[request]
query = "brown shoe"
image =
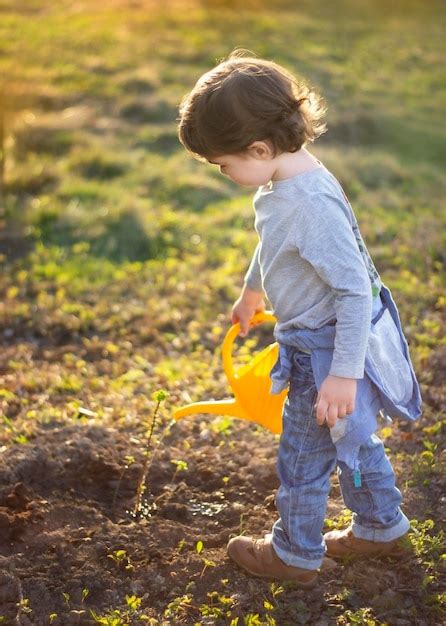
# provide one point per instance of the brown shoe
(257, 557)
(342, 543)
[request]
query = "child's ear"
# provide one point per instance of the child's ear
(261, 150)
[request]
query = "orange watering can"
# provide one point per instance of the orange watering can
(250, 383)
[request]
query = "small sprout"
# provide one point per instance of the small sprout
(85, 594)
(199, 547)
(276, 589)
(66, 597)
(181, 466)
(133, 602)
(23, 605)
(159, 395)
(121, 559)
(181, 544)
(207, 563)
(52, 617)
(20, 439)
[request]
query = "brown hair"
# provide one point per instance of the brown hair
(245, 99)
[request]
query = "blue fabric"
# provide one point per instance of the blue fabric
(307, 456)
(389, 384)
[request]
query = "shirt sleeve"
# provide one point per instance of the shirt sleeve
(324, 238)
(253, 277)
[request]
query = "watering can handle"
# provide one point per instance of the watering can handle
(231, 335)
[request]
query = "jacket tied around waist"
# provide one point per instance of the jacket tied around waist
(389, 386)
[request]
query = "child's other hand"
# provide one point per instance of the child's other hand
(245, 307)
(335, 400)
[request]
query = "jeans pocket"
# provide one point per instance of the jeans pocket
(302, 376)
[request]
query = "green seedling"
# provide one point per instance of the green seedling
(219, 607)
(181, 466)
(24, 607)
(158, 396)
(133, 602)
(116, 617)
(121, 559)
(179, 607)
(342, 520)
(181, 545)
(207, 563)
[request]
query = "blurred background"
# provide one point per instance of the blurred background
(115, 242)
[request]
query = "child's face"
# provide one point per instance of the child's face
(245, 169)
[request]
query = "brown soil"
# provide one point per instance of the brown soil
(58, 528)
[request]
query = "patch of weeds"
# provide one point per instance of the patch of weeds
(69, 383)
(223, 426)
(219, 606)
(179, 608)
(341, 521)
(363, 616)
(429, 549)
(254, 619)
(124, 617)
(424, 464)
(427, 546)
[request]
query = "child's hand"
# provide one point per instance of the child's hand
(335, 400)
(245, 307)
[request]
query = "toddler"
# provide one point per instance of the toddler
(342, 351)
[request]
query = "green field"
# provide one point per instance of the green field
(121, 257)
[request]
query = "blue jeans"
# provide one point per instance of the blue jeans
(306, 459)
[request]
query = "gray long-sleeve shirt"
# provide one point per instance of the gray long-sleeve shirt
(313, 265)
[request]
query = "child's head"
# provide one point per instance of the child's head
(245, 104)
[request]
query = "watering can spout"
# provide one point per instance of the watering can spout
(220, 407)
(250, 383)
